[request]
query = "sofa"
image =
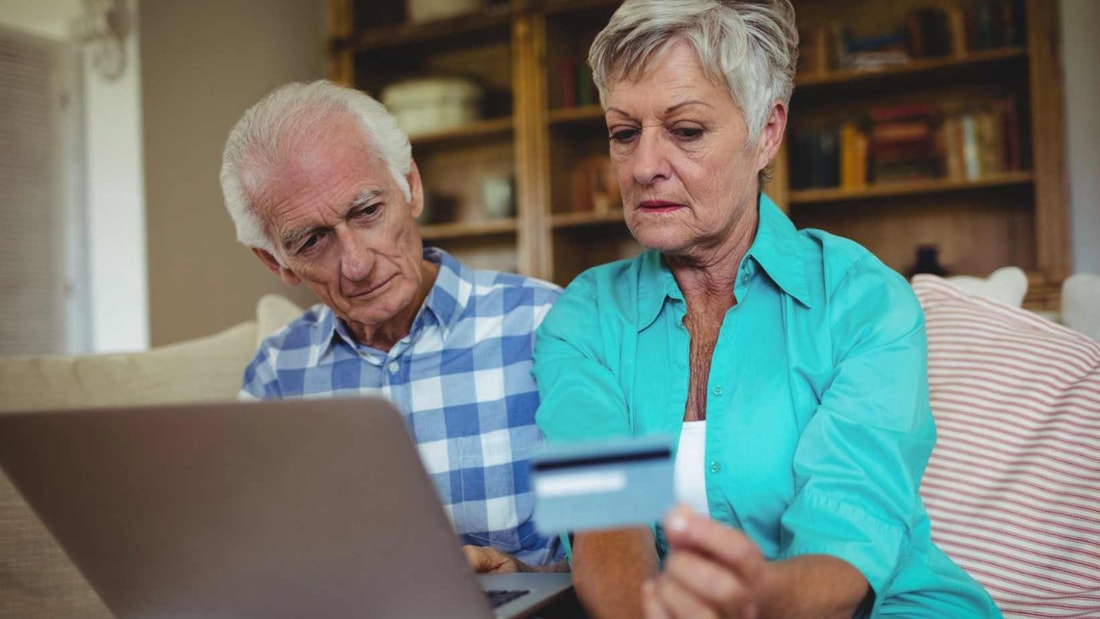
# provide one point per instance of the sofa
(37, 581)
(1013, 486)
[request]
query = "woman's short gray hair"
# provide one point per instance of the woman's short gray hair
(750, 46)
(266, 135)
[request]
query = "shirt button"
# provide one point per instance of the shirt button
(393, 367)
(717, 390)
(715, 466)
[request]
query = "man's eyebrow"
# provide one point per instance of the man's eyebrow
(367, 196)
(292, 238)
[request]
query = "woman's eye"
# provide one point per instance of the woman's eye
(687, 133)
(622, 136)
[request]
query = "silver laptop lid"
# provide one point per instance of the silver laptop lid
(317, 508)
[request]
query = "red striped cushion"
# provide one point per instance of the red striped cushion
(1013, 486)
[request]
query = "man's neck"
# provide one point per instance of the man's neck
(392, 331)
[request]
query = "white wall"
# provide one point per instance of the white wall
(1081, 56)
(117, 260)
(110, 238)
(45, 18)
(203, 63)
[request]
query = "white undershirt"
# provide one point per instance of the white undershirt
(690, 471)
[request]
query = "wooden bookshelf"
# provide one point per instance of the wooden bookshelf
(401, 35)
(468, 229)
(494, 128)
(906, 188)
(565, 115)
(519, 46)
(974, 61)
(582, 219)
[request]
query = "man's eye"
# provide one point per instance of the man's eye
(310, 243)
(367, 211)
(623, 136)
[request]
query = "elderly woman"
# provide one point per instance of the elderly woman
(789, 365)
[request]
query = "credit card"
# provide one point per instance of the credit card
(602, 485)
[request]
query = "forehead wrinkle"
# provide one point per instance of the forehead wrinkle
(291, 238)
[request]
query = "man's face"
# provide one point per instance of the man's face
(340, 222)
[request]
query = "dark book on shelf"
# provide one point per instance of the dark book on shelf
(815, 159)
(929, 33)
(567, 80)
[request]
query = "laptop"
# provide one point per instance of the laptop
(306, 508)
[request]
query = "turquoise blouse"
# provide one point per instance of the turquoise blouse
(818, 421)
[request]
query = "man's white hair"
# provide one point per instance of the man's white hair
(750, 46)
(264, 139)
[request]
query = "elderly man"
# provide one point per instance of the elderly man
(321, 185)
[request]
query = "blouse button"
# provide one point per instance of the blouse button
(393, 367)
(717, 390)
(715, 466)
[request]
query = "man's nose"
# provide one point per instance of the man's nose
(356, 256)
(650, 161)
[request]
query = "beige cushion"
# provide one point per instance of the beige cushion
(204, 369)
(1012, 485)
(274, 312)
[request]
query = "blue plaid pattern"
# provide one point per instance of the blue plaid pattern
(462, 379)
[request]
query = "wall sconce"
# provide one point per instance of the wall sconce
(102, 27)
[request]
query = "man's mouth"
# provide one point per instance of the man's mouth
(371, 289)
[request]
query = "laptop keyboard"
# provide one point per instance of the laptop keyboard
(500, 597)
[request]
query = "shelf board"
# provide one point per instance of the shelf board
(551, 7)
(468, 229)
(489, 128)
(405, 34)
(583, 113)
(586, 218)
(809, 197)
(923, 65)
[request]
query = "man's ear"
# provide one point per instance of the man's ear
(416, 191)
(289, 277)
(771, 136)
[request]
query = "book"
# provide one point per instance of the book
(813, 52)
(853, 156)
(929, 34)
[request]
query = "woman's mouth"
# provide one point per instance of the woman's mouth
(659, 206)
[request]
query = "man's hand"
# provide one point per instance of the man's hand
(487, 560)
(712, 571)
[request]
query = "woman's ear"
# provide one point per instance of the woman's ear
(771, 135)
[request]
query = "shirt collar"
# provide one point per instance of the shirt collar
(445, 302)
(776, 249)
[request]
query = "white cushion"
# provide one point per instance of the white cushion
(1013, 485)
(1007, 285)
(1081, 304)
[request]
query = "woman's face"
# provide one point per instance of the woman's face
(681, 152)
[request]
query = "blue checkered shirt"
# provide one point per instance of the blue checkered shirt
(462, 379)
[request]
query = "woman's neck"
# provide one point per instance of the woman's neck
(709, 274)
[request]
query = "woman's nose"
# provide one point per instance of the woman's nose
(649, 160)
